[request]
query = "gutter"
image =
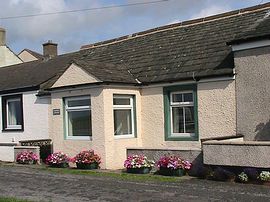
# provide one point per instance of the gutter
(19, 90)
(192, 80)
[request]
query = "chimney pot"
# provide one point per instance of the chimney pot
(2, 37)
(49, 49)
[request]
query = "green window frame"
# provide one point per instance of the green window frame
(169, 104)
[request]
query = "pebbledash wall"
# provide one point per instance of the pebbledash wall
(35, 115)
(216, 114)
(253, 93)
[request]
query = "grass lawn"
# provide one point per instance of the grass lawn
(11, 199)
(118, 175)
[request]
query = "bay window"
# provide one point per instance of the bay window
(78, 118)
(123, 113)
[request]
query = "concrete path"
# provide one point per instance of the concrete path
(38, 185)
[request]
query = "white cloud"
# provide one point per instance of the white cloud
(211, 10)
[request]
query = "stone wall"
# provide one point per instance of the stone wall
(246, 153)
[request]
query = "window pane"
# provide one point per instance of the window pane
(188, 97)
(121, 101)
(79, 123)
(189, 120)
(14, 113)
(177, 97)
(122, 122)
(177, 120)
(78, 103)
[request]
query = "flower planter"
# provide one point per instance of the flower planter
(88, 166)
(171, 172)
(59, 165)
(27, 162)
(143, 170)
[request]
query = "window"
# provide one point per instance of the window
(180, 113)
(78, 118)
(123, 112)
(12, 111)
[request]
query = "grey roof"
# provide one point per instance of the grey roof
(259, 30)
(187, 50)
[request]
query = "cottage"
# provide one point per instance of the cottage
(158, 91)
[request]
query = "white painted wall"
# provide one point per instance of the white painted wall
(35, 113)
(7, 153)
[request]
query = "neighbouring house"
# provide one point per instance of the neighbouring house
(7, 57)
(27, 55)
(179, 88)
(24, 114)
(49, 51)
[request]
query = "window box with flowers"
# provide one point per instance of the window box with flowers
(173, 166)
(26, 157)
(58, 160)
(138, 164)
(87, 160)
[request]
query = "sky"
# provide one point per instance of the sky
(72, 30)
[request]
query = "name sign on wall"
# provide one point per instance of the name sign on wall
(56, 111)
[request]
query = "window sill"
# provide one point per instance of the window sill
(124, 137)
(83, 138)
(183, 138)
(12, 130)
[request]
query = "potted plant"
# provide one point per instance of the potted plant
(243, 177)
(26, 157)
(138, 164)
(58, 160)
(264, 177)
(87, 160)
(173, 166)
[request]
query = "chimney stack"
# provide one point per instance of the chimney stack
(49, 49)
(2, 37)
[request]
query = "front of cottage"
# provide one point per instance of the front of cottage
(159, 91)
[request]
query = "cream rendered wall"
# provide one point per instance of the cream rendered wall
(216, 115)
(26, 56)
(7, 57)
(72, 147)
(216, 109)
(116, 147)
(35, 112)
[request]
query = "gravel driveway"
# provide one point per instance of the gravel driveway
(39, 185)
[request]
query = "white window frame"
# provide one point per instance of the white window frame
(131, 107)
(180, 104)
(79, 108)
(17, 127)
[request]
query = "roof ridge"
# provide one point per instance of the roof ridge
(180, 24)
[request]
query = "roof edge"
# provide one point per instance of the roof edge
(19, 90)
(249, 39)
